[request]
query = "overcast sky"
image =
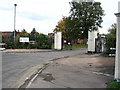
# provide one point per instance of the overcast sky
(44, 14)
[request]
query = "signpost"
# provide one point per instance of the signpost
(117, 62)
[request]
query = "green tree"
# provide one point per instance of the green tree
(8, 40)
(33, 35)
(84, 17)
(87, 16)
(19, 44)
(43, 41)
(111, 38)
(24, 33)
(112, 29)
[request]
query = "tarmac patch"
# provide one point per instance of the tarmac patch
(47, 77)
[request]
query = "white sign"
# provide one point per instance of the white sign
(24, 39)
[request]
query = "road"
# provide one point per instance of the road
(15, 65)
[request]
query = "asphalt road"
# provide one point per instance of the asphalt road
(15, 65)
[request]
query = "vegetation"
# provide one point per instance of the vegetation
(84, 17)
(43, 41)
(76, 46)
(113, 85)
(37, 40)
(111, 38)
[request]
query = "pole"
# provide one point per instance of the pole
(117, 60)
(14, 20)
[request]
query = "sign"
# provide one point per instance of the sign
(24, 39)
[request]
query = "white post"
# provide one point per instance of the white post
(92, 35)
(117, 62)
(58, 41)
(0, 62)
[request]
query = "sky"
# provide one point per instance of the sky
(43, 15)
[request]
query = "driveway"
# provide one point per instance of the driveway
(80, 71)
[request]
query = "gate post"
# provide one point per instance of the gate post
(117, 59)
(92, 35)
(58, 40)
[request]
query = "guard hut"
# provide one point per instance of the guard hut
(58, 41)
(92, 35)
(117, 62)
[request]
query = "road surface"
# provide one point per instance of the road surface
(15, 65)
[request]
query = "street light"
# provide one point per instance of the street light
(14, 20)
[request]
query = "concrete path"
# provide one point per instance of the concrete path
(80, 71)
(25, 50)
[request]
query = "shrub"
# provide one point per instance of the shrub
(110, 42)
(113, 85)
(44, 42)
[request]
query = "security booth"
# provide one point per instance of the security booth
(117, 60)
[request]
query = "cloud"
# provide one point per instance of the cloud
(5, 9)
(34, 16)
(44, 14)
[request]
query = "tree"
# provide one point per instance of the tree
(111, 38)
(8, 40)
(33, 35)
(84, 17)
(87, 16)
(43, 41)
(112, 29)
(18, 44)
(24, 33)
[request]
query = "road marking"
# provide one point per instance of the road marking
(31, 81)
(27, 76)
(100, 73)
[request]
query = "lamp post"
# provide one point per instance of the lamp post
(14, 20)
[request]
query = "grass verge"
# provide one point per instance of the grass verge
(113, 85)
(76, 46)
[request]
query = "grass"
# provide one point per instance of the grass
(113, 85)
(76, 46)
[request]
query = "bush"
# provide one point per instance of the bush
(114, 85)
(44, 42)
(110, 42)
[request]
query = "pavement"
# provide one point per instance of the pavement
(78, 71)
(25, 50)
